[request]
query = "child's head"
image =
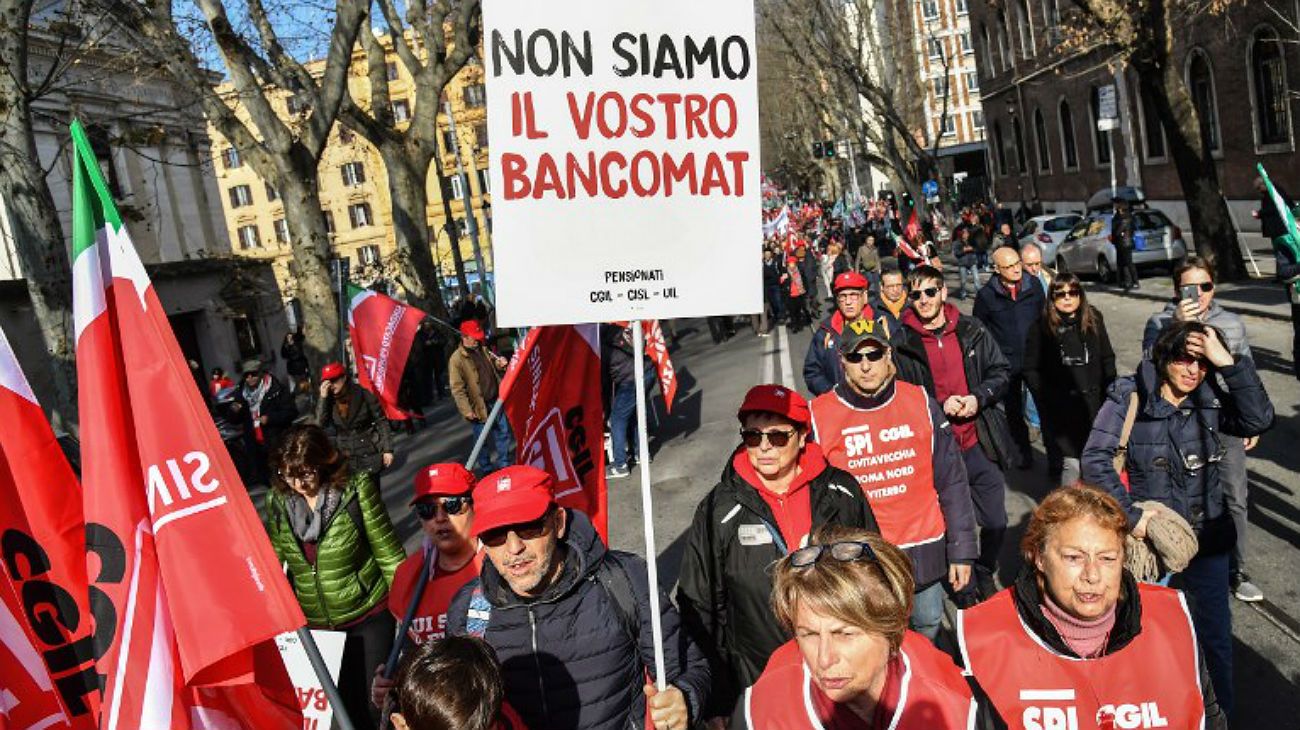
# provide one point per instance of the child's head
(448, 684)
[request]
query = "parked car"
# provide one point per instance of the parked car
(1087, 248)
(1048, 231)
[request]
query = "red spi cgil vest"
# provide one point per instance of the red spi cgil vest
(932, 694)
(890, 451)
(1153, 682)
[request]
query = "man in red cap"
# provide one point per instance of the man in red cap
(445, 508)
(569, 618)
(353, 416)
(821, 366)
(776, 489)
(475, 375)
(897, 443)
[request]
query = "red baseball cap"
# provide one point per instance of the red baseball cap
(775, 399)
(512, 496)
(332, 370)
(470, 328)
(442, 480)
(849, 280)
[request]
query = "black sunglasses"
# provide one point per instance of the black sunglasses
(497, 537)
(930, 292)
(427, 508)
(1071, 292)
(853, 358)
(753, 438)
(844, 552)
(1205, 286)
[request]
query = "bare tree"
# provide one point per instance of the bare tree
(284, 151)
(1142, 34)
(866, 48)
(420, 43)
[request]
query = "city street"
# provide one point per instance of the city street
(690, 446)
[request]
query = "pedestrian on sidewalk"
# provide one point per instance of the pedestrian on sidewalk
(1069, 364)
(475, 379)
(1009, 305)
(353, 416)
(1173, 455)
(964, 370)
(1273, 227)
(1123, 227)
(1194, 287)
(773, 276)
(876, 427)
(963, 249)
(620, 370)
(569, 618)
(776, 488)
(1076, 621)
(846, 599)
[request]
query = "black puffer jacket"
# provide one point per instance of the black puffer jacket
(725, 587)
(363, 434)
(1128, 624)
(987, 375)
(1068, 370)
(567, 661)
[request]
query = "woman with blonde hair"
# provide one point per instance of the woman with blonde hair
(1077, 637)
(853, 663)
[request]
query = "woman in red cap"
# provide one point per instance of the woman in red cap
(776, 489)
(445, 508)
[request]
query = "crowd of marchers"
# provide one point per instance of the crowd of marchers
(816, 574)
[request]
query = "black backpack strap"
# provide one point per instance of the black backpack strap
(613, 578)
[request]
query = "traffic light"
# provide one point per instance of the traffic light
(819, 150)
(829, 148)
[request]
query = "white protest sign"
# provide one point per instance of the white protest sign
(316, 710)
(625, 173)
(1107, 108)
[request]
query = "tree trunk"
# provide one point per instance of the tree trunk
(34, 222)
(444, 194)
(1212, 226)
(407, 186)
(311, 256)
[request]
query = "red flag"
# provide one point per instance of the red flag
(47, 663)
(187, 592)
(551, 394)
(656, 348)
(912, 229)
(382, 330)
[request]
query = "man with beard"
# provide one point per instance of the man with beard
(569, 618)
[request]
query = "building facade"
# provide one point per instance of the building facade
(945, 59)
(354, 189)
(153, 148)
(1042, 108)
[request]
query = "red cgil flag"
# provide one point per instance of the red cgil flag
(47, 662)
(186, 591)
(382, 330)
(656, 348)
(551, 394)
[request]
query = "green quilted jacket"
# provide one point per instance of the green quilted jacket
(353, 571)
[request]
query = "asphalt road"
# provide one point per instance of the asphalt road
(690, 446)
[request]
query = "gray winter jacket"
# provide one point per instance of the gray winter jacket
(1231, 325)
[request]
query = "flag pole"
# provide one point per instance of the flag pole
(483, 435)
(326, 681)
(390, 666)
(647, 502)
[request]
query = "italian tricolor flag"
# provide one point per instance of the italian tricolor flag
(177, 557)
(382, 330)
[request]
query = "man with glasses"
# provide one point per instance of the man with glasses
(1008, 306)
(569, 618)
(963, 369)
(445, 509)
(776, 489)
(1031, 259)
(1194, 302)
(821, 366)
(896, 441)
